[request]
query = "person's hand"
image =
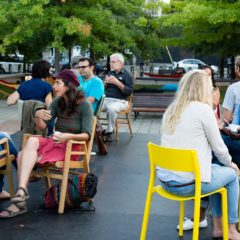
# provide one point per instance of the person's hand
(235, 167)
(43, 114)
(225, 131)
(61, 137)
(111, 79)
(234, 136)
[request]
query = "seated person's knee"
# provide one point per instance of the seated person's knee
(32, 142)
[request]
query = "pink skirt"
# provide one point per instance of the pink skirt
(50, 151)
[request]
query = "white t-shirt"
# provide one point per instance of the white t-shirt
(232, 97)
(197, 129)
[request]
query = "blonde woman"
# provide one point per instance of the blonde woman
(190, 123)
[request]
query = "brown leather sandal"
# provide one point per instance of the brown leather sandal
(22, 208)
(20, 198)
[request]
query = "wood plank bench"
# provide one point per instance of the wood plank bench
(151, 102)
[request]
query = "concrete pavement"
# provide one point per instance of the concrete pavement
(145, 123)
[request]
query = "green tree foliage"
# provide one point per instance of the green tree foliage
(103, 26)
(203, 25)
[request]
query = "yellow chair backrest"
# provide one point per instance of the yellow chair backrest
(174, 160)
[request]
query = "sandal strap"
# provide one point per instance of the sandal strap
(20, 205)
(24, 190)
(10, 212)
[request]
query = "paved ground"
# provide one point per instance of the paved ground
(123, 178)
(145, 122)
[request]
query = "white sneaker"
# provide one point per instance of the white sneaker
(188, 224)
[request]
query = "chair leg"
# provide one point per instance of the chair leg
(10, 178)
(116, 130)
(47, 180)
(146, 215)
(196, 219)
(63, 194)
(129, 123)
(225, 214)
(181, 217)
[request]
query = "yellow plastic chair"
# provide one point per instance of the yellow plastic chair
(186, 161)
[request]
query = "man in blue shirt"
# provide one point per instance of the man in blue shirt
(90, 84)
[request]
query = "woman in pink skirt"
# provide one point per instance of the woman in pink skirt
(73, 115)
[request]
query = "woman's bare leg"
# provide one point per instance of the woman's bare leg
(19, 163)
(26, 161)
(217, 229)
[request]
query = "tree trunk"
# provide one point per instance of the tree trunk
(69, 55)
(57, 59)
(222, 67)
(92, 55)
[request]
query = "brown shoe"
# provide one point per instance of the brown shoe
(109, 137)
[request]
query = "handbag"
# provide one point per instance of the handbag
(102, 147)
(81, 188)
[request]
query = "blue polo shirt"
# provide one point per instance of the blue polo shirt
(92, 88)
(34, 89)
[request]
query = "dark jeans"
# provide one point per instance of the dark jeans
(233, 148)
(13, 150)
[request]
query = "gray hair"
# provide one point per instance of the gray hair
(237, 61)
(119, 56)
(75, 61)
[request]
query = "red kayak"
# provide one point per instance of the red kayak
(170, 75)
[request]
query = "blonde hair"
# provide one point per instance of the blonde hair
(195, 85)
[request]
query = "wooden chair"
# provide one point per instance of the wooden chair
(185, 161)
(99, 107)
(122, 118)
(61, 170)
(6, 160)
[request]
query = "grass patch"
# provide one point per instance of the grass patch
(4, 92)
(223, 90)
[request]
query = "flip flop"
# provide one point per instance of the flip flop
(22, 209)
(20, 198)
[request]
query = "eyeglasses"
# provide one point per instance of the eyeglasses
(114, 62)
(83, 67)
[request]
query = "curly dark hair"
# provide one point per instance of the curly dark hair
(74, 97)
(41, 69)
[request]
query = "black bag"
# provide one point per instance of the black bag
(102, 147)
(81, 188)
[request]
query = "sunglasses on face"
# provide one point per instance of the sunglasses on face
(82, 67)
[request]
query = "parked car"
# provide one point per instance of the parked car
(189, 64)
